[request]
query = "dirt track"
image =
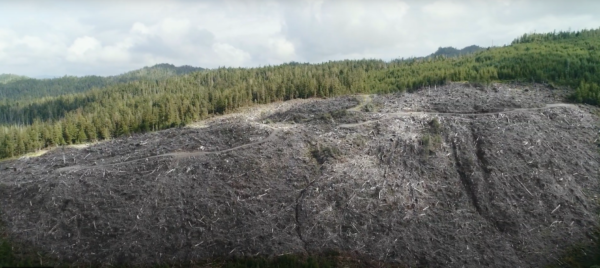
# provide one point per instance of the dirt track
(175, 155)
(507, 177)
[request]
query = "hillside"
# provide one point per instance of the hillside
(557, 59)
(156, 72)
(399, 163)
(7, 78)
(504, 175)
(29, 89)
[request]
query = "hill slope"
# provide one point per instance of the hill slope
(451, 176)
(27, 89)
(156, 72)
(7, 78)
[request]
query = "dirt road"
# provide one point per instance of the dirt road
(175, 155)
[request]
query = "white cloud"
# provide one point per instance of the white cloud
(229, 54)
(326, 30)
(83, 49)
(444, 10)
(5, 37)
(140, 28)
(117, 53)
(90, 37)
(284, 49)
(90, 51)
(174, 29)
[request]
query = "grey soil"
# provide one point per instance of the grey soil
(507, 177)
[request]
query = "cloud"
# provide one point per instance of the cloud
(321, 30)
(84, 49)
(284, 50)
(230, 54)
(444, 10)
(140, 28)
(89, 50)
(91, 37)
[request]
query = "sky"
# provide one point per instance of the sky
(109, 37)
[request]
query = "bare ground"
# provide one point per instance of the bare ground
(507, 177)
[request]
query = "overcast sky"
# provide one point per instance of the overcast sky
(56, 38)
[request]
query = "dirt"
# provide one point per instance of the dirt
(458, 176)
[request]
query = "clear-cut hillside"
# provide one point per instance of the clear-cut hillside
(453, 176)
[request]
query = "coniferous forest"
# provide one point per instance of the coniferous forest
(36, 114)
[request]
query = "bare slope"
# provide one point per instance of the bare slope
(452, 176)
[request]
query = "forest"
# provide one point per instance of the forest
(7, 78)
(37, 114)
(21, 88)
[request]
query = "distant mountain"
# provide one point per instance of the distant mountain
(453, 52)
(157, 72)
(444, 51)
(7, 78)
(25, 88)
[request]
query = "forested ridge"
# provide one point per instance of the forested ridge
(26, 90)
(565, 58)
(7, 78)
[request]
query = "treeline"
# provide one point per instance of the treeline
(26, 89)
(7, 78)
(156, 72)
(146, 105)
(553, 36)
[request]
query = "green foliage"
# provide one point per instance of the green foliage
(15, 255)
(323, 153)
(434, 126)
(328, 117)
(7, 78)
(432, 138)
(287, 261)
(369, 107)
(29, 89)
(24, 89)
(157, 72)
(337, 114)
(554, 36)
(582, 255)
(6, 256)
(429, 143)
(587, 92)
(359, 140)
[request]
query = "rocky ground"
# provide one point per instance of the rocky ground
(454, 176)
